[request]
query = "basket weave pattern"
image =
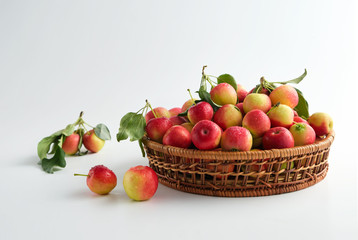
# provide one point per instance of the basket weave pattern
(240, 174)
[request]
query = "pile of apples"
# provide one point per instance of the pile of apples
(243, 122)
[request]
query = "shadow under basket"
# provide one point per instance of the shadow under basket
(240, 174)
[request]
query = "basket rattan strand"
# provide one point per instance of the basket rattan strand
(240, 174)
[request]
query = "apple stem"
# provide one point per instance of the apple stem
(83, 175)
(151, 108)
(274, 106)
(202, 71)
(191, 95)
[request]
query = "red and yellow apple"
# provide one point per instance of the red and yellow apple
(223, 93)
(70, 144)
(157, 127)
(284, 94)
(159, 112)
(227, 116)
(257, 101)
(321, 122)
(174, 111)
(277, 138)
(303, 134)
(241, 93)
(200, 111)
(257, 122)
(92, 142)
(281, 116)
(236, 138)
(177, 136)
(206, 135)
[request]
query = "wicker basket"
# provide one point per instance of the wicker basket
(240, 174)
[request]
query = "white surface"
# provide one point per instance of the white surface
(60, 57)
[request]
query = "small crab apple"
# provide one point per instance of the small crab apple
(223, 93)
(297, 119)
(157, 113)
(284, 94)
(303, 134)
(257, 101)
(70, 144)
(140, 183)
(257, 122)
(241, 93)
(157, 127)
(206, 135)
(227, 116)
(278, 137)
(177, 136)
(200, 111)
(236, 138)
(100, 179)
(281, 115)
(177, 120)
(174, 111)
(188, 104)
(241, 107)
(92, 142)
(188, 125)
(321, 122)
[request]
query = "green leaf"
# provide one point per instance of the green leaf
(227, 78)
(132, 125)
(302, 106)
(184, 114)
(296, 80)
(43, 147)
(58, 160)
(102, 132)
(205, 96)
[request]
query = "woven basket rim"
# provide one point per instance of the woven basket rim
(319, 145)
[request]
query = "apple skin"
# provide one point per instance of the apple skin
(157, 127)
(297, 119)
(223, 93)
(177, 136)
(159, 112)
(174, 111)
(101, 180)
(285, 94)
(189, 126)
(206, 135)
(187, 104)
(70, 144)
(241, 107)
(322, 123)
(257, 122)
(241, 93)
(303, 134)
(177, 120)
(227, 116)
(263, 90)
(257, 101)
(200, 111)
(278, 138)
(281, 116)
(140, 183)
(92, 142)
(236, 138)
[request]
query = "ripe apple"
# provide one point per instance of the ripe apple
(92, 142)
(285, 94)
(157, 127)
(241, 93)
(189, 126)
(70, 144)
(200, 111)
(321, 122)
(257, 101)
(236, 138)
(100, 179)
(241, 107)
(177, 120)
(187, 104)
(140, 183)
(257, 122)
(223, 93)
(297, 119)
(303, 134)
(281, 116)
(177, 136)
(159, 112)
(278, 137)
(206, 135)
(174, 111)
(227, 116)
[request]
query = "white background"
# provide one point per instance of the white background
(106, 57)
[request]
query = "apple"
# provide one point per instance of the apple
(236, 138)
(177, 136)
(100, 179)
(257, 101)
(284, 94)
(159, 112)
(297, 119)
(92, 142)
(227, 116)
(206, 135)
(278, 137)
(70, 144)
(241, 93)
(157, 127)
(174, 111)
(177, 120)
(140, 183)
(281, 116)
(257, 122)
(200, 111)
(187, 104)
(223, 93)
(303, 134)
(241, 107)
(321, 122)
(189, 126)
